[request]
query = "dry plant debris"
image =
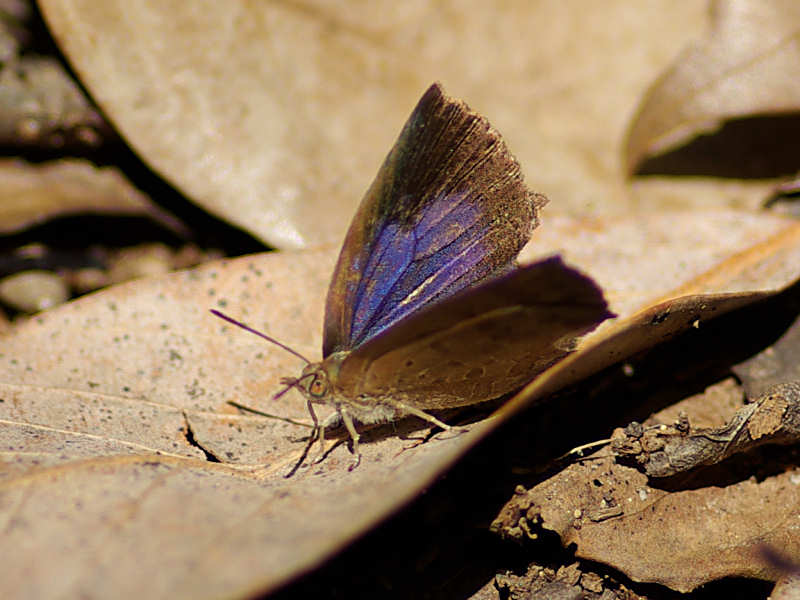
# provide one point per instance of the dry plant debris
(121, 455)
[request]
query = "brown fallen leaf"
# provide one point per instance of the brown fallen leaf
(667, 547)
(32, 194)
(598, 502)
(41, 106)
(681, 540)
(775, 365)
(713, 407)
(654, 298)
(749, 64)
(657, 193)
(91, 418)
(568, 583)
(788, 587)
(785, 197)
(731, 251)
(770, 379)
(276, 116)
(152, 341)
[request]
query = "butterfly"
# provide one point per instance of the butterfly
(427, 309)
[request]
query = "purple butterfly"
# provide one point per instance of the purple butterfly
(427, 309)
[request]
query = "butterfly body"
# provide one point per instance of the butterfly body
(318, 383)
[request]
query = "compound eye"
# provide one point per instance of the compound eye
(317, 388)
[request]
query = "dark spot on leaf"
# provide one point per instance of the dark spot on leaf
(659, 318)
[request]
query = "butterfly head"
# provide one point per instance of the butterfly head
(313, 383)
(317, 381)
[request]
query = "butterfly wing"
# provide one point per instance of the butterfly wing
(447, 209)
(481, 343)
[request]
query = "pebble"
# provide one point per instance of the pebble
(32, 291)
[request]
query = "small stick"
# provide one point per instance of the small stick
(580, 449)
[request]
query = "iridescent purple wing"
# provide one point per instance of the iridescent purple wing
(447, 210)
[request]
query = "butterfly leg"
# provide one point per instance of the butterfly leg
(317, 433)
(423, 415)
(354, 435)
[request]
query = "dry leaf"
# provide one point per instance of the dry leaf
(150, 360)
(685, 539)
(617, 516)
(658, 193)
(41, 105)
(102, 475)
(539, 583)
(696, 251)
(88, 419)
(274, 115)
(277, 116)
(681, 540)
(749, 64)
(771, 381)
(671, 294)
(712, 408)
(787, 589)
(785, 197)
(777, 364)
(32, 194)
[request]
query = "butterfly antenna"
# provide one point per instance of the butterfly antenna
(256, 411)
(290, 382)
(259, 334)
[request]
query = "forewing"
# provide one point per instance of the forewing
(481, 343)
(447, 209)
